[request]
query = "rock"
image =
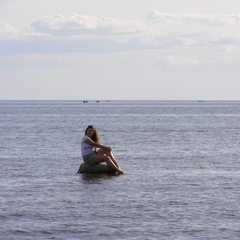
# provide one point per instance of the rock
(96, 169)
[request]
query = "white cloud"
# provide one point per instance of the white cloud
(74, 33)
(206, 59)
(8, 32)
(184, 63)
(75, 24)
(193, 18)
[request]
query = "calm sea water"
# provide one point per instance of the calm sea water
(182, 163)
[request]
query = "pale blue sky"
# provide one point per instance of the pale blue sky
(119, 49)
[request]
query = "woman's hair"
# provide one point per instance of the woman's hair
(95, 136)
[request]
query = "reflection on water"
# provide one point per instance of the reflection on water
(88, 178)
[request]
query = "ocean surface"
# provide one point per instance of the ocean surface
(182, 163)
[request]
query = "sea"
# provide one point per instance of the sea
(182, 163)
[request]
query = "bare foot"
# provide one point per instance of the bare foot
(121, 171)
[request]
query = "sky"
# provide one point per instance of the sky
(119, 50)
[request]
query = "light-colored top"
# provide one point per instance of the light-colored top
(86, 148)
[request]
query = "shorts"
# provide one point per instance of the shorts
(89, 158)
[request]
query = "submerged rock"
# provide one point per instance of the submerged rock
(97, 169)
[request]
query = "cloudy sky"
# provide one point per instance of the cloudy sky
(119, 49)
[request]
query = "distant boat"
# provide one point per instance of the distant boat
(85, 101)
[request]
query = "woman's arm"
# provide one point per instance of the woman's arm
(98, 145)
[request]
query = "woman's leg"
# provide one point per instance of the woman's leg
(109, 162)
(102, 152)
(110, 154)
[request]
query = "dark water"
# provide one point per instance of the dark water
(182, 161)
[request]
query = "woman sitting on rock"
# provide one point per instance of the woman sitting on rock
(89, 144)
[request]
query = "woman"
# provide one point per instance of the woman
(90, 154)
